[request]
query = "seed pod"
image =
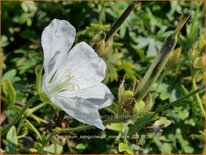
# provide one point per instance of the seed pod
(159, 61)
(156, 67)
(116, 26)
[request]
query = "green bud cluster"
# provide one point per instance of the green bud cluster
(129, 104)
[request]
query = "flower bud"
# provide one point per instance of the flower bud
(149, 102)
(142, 107)
(99, 44)
(121, 91)
(100, 47)
(139, 107)
(126, 97)
(193, 53)
(174, 55)
(128, 94)
(128, 101)
(198, 63)
(199, 77)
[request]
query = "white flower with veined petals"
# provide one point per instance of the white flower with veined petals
(72, 77)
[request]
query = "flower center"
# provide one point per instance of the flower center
(62, 81)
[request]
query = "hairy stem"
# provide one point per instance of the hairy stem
(67, 131)
(60, 131)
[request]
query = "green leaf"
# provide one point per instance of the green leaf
(12, 140)
(165, 148)
(185, 145)
(115, 126)
(141, 122)
(201, 136)
(9, 92)
(123, 30)
(53, 148)
(80, 146)
(178, 113)
(162, 121)
(153, 45)
(114, 109)
(198, 63)
(4, 41)
(129, 69)
(9, 75)
(139, 51)
(164, 96)
(125, 148)
(28, 6)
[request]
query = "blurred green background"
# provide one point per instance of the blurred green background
(131, 53)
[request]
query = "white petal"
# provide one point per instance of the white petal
(86, 67)
(57, 38)
(80, 109)
(98, 95)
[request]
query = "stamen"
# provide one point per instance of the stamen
(57, 86)
(52, 78)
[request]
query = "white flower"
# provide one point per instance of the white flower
(72, 78)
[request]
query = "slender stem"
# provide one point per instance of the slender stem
(61, 131)
(163, 107)
(36, 118)
(118, 23)
(18, 116)
(27, 113)
(32, 110)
